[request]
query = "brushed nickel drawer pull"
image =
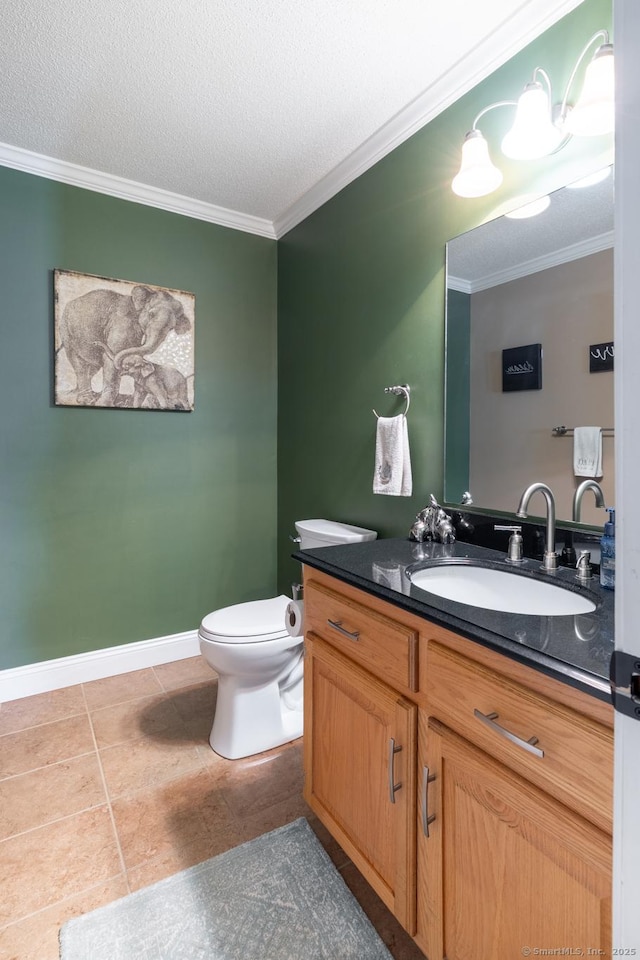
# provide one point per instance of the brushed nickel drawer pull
(490, 720)
(427, 820)
(337, 625)
(393, 786)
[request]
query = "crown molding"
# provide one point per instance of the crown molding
(88, 179)
(573, 252)
(519, 30)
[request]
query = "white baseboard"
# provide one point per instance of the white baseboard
(48, 675)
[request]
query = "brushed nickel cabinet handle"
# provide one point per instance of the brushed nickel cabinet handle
(490, 720)
(337, 625)
(427, 820)
(393, 786)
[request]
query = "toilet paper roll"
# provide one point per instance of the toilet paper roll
(293, 618)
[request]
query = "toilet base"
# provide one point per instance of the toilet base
(251, 720)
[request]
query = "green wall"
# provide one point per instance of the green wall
(361, 298)
(123, 525)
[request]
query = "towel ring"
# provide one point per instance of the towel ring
(402, 390)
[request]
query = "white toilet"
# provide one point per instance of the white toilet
(259, 665)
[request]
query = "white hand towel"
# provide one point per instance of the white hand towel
(587, 451)
(392, 474)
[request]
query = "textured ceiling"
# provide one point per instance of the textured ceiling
(245, 105)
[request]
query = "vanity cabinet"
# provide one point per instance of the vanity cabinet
(498, 836)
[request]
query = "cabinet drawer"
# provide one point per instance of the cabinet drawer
(568, 755)
(386, 648)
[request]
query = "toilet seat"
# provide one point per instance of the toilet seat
(253, 622)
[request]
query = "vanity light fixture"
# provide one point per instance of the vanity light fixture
(538, 128)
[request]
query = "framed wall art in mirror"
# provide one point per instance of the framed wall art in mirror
(546, 280)
(122, 344)
(601, 356)
(522, 368)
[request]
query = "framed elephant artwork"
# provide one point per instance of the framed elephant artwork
(122, 344)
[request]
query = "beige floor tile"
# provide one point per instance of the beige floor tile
(196, 707)
(196, 701)
(251, 786)
(134, 719)
(199, 731)
(174, 861)
(36, 937)
(33, 799)
(41, 708)
(125, 686)
(182, 673)
(59, 860)
(273, 817)
(48, 743)
(186, 812)
(139, 764)
(209, 757)
(175, 802)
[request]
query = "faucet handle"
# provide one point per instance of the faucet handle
(583, 566)
(515, 552)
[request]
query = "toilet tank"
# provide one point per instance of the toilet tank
(324, 533)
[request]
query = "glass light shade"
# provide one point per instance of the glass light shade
(532, 134)
(594, 113)
(477, 175)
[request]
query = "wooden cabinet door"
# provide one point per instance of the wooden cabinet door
(506, 871)
(360, 752)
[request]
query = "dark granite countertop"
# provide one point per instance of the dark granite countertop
(575, 649)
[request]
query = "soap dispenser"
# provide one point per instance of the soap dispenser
(608, 552)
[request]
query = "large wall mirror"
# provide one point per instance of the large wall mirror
(518, 283)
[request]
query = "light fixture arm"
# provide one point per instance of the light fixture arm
(542, 127)
(540, 71)
(600, 35)
(543, 73)
(492, 106)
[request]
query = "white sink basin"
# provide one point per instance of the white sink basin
(501, 590)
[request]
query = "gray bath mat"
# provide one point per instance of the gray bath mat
(278, 897)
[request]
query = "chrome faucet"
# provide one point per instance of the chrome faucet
(550, 561)
(578, 495)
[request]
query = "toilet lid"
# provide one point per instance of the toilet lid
(244, 622)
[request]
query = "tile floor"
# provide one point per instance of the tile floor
(109, 786)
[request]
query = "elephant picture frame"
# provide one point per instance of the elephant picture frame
(122, 344)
